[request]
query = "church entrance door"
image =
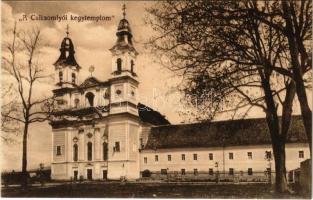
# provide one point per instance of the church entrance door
(75, 175)
(89, 174)
(105, 174)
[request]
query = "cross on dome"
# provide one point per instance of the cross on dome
(67, 30)
(124, 10)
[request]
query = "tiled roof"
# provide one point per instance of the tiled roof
(220, 133)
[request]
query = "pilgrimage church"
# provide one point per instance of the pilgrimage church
(102, 132)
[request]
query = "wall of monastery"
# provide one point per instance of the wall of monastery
(240, 161)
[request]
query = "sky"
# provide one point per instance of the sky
(92, 41)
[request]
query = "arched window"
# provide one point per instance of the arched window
(89, 151)
(61, 77)
(105, 150)
(119, 64)
(75, 152)
(76, 102)
(73, 78)
(90, 96)
(132, 64)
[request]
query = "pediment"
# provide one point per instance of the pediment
(91, 81)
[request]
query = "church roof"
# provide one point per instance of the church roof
(67, 52)
(220, 133)
(151, 116)
(124, 38)
(124, 26)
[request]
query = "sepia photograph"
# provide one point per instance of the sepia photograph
(207, 99)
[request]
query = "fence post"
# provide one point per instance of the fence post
(217, 177)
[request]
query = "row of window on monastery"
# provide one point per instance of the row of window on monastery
(231, 171)
(268, 155)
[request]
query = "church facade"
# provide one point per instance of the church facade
(96, 125)
(102, 131)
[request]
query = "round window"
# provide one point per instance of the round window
(118, 92)
(75, 139)
(89, 135)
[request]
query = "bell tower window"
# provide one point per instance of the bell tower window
(132, 64)
(76, 102)
(90, 97)
(119, 64)
(73, 78)
(61, 77)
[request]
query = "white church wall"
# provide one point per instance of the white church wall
(59, 142)
(97, 141)
(131, 93)
(133, 142)
(81, 145)
(59, 171)
(116, 170)
(117, 133)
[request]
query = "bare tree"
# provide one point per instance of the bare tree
(21, 67)
(9, 128)
(227, 54)
(293, 19)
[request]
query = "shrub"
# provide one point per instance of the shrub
(146, 173)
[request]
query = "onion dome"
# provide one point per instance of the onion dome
(67, 57)
(124, 26)
(124, 36)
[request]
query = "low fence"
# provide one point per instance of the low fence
(9, 178)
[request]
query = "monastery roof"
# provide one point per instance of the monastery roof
(220, 133)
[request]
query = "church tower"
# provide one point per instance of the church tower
(124, 83)
(123, 52)
(123, 122)
(66, 67)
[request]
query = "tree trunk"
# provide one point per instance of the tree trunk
(278, 142)
(24, 158)
(278, 145)
(305, 112)
(280, 169)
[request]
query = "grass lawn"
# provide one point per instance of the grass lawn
(148, 190)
